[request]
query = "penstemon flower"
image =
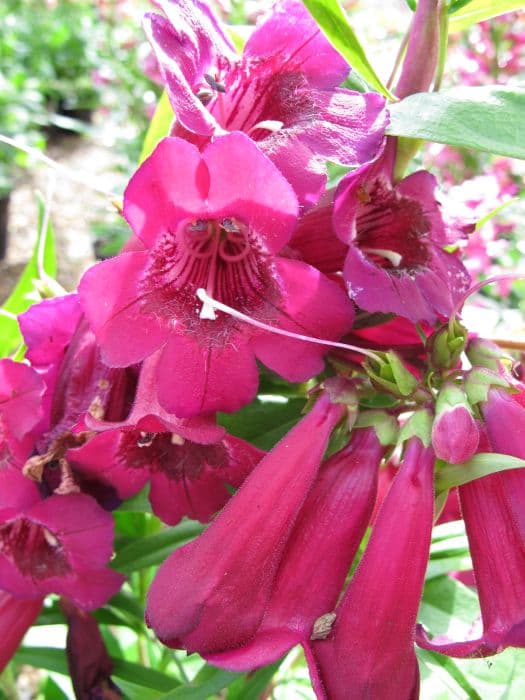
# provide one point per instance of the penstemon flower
(217, 220)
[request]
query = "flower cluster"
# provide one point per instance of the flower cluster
(243, 262)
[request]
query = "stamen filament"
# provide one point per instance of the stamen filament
(209, 301)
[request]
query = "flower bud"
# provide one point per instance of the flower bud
(446, 344)
(455, 434)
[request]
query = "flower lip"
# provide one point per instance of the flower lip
(33, 548)
(391, 229)
(222, 255)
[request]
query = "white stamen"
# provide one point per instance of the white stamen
(49, 537)
(177, 439)
(269, 124)
(208, 301)
(207, 312)
(389, 255)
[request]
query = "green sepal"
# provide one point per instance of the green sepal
(418, 425)
(446, 344)
(484, 353)
(385, 425)
(478, 383)
(390, 374)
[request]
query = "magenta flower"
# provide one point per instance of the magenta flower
(215, 220)
(455, 433)
(61, 544)
(318, 555)
(283, 91)
(21, 391)
(16, 617)
(207, 603)
(396, 235)
(88, 661)
(187, 478)
(493, 508)
(369, 652)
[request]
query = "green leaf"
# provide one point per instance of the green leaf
(252, 686)
(159, 126)
(334, 25)
(486, 118)
(25, 293)
(263, 422)
(482, 464)
(153, 549)
(52, 659)
(207, 682)
(463, 15)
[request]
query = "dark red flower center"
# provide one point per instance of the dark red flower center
(392, 230)
(35, 550)
(221, 256)
(170, 454)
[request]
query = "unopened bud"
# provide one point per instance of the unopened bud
(446, 344)
(455, 433)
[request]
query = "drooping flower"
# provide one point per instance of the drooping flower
(493, 509)
(60, 544)
(89, 663)
(217, 221)
(369, 652)
(317, 556)
(203, 602)
(283, 91)
(187, 478)
(16, 617)
(396, 234)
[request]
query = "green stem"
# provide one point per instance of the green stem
(443, 47)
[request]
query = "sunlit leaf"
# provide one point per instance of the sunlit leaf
(486, 118)
(334, 24)
(159, 126)
(464, 14)
(25, 293)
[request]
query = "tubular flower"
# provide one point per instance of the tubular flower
(369, 652)
(207, 603)
(16, 617)
(60, 544)
(396, 235)
(317, 556)
(217, 221)
(283, 91)
(187, 478)
(493, 508)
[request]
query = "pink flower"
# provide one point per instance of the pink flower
(16, 617)
(317, 557)
(215, 220)
(187, 478)
(455, 434)
(493, 508)
(283, 92)
(369, 652)
(61, 544)
(21, 391)
(211, 595)
(396, 235)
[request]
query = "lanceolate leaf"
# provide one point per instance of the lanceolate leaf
(25, 293)
(487, 118)
(159, 126)
(480, 465)
(153, 549)
(208, 681)
(464, 14)
(334, 24)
